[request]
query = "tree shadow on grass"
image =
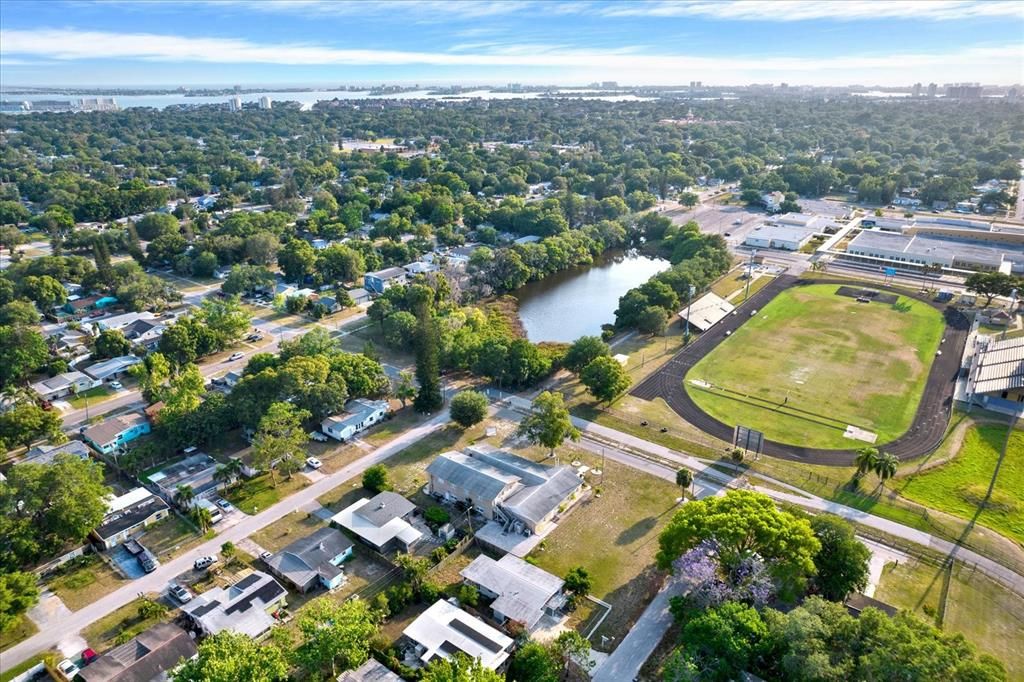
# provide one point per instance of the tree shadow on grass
(637, 531)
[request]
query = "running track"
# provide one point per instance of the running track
(925, 433)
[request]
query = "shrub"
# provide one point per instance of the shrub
(436, 517)
(376, 479)
(468, 408)
(469, 595)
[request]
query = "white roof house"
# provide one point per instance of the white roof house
(380, 521)
(359, 414)
(521, 591)
(123, 320)
(62, 385)
(112, 368)
(706, 311)
(244, 607)
(444, 630)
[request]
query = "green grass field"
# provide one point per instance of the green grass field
(989, 616)
(960, 486)
(812, 362)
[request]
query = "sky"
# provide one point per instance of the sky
(565, 42)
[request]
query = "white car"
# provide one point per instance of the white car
(236, 356)
(67, 669)
(314, 463)
(116, 385)
(181, 593)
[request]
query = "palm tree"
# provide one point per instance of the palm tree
(229, 472)
(184, 495)
(202, 517)
(886, 466)
(406, 389)
(684, 479)
(867, 460)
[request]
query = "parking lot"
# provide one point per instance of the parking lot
(718, 219)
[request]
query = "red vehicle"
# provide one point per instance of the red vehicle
(88, 656)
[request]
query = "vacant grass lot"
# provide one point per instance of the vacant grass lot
(93, 396)
(120, 625)
(811, 362)
(260, 492)
(988, 615)
(961, 486)
(286, 530)
(614, 537)
(85, 581)
(170, 537)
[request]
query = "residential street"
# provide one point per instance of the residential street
(159, 579)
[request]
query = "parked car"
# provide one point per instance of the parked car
(223, 504)
(147, 561)
(314, 463)
(181, 593)
(219, 381)
(318, 436)
(116, 385)
(236, 356)
(204, 562)
(88, 656)
(265, 555)
(67, 670)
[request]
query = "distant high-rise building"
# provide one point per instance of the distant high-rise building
(932, 89)
(609, 84)
(1012, 93)
(916, 90)
(235, 103)
(264, 102)
(963, 90)
(695, 84)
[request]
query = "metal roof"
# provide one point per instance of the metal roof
(443, 628)
(307, 558)
(109, 429)
(523, 589)
(1000, 366)
(146, 657)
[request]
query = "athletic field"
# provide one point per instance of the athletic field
(811, 363)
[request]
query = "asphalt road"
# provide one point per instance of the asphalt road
(158, 580)
(925, 432)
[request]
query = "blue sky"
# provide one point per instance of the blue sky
(269, 42)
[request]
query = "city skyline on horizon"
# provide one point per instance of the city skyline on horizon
(199, 43)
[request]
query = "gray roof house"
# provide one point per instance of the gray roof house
(371, 671)
(522, 495)
(127, 514)
(380, 521)
(45, 454)
(244, 607)
(313, 560)
(522, 592)
(146, 658)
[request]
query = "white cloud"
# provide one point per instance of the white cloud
(995, 64)
(802, 10)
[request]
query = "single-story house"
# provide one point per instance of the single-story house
(525, 496)
(119, 322)
(857, 602)
(128, 514)
(359, 295)
(381, 522)
(149, 657)
(528, 239)
(196, 471)
(63, 385)
(444, 630)
(359, 414)
(245, 607)
(371, 671)
(522, 592)
(144, 332)
(45, 454)
(109, 370)
(377, 282)
(117, 431)
(232, 378)
(772, 201)
(420, 267)
(77, 305)
(329, 302)
(313, 560)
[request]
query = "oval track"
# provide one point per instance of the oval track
(925, 432)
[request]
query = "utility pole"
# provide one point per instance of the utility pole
(750, 270)
(689, 301)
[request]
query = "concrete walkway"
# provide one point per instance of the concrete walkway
(158, 580)
(633, 651)
(795, 496)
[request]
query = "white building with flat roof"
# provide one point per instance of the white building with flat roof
(785, 237)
